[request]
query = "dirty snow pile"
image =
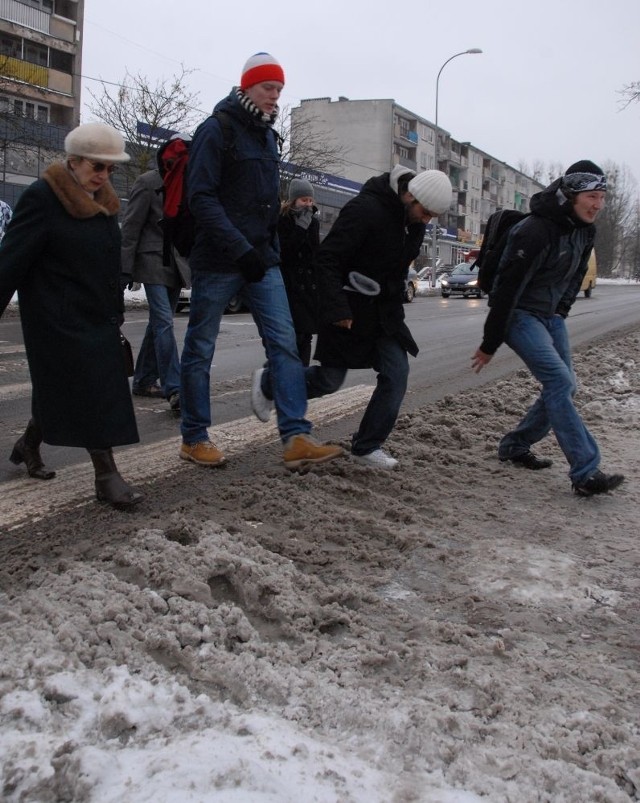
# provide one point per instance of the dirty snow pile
(457, 630)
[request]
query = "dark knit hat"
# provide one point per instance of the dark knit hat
(261, 67)
(583, 176)
(300, 188)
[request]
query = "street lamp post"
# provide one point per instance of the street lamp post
(434, 245)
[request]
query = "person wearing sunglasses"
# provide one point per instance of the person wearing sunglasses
(61, 252)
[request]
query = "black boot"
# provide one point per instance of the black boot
(27, 451)
(110, 487)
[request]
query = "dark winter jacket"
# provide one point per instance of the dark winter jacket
(370, 236)
(142, 237)
(61, 253)
(233, 195)
(298, 247)
(542, 267)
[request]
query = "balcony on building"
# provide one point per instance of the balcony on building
(60, 22)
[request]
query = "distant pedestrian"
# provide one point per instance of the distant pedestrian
(362, 266)
(234, 198)
(539, 277)
(142, 260)
(299, 234)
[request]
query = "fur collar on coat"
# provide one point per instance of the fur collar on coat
(74, 199)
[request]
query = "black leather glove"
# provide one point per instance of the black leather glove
(252, 266)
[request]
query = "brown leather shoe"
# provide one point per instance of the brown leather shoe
(203, 453)
(303, 450)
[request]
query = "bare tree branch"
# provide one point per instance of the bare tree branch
(307, 147)
(630, 94)
(165, 104)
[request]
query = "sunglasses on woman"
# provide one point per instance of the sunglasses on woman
(100, 167)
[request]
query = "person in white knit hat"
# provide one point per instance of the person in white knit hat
(362, 265)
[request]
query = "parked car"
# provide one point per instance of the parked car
(411, 286)
(235, 305)
(463, 279)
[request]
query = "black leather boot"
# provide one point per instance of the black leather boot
(27, 451)
(110, 487)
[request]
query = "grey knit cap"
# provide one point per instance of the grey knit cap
(300, 188)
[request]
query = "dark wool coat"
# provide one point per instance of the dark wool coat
(61, 253)
(370, 236)
(298, 247)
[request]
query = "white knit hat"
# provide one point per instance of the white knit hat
(97, 141)
(432, 189)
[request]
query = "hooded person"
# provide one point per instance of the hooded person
(539, 276)
(61, 253)
(362, 267)
(299, 236)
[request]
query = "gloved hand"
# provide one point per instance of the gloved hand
(252, 266)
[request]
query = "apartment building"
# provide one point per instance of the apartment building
(40, 66)
(379, 134)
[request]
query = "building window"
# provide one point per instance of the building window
(10, 46)
(36, 54)
(45, 5)
(30, 109)
(61, 61)
(426, 132)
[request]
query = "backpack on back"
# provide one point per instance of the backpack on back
(496, 233)
(177, 222)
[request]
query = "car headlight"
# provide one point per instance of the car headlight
(473, 283)
(444, 283)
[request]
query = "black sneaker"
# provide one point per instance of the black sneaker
(598, 483)
(174, 402)
(528, 460)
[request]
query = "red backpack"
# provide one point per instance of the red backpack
(177, 222)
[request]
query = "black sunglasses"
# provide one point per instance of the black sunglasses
(100, 167)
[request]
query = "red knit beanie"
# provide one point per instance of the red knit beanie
(261, 67)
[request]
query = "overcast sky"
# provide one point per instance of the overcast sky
(545, 87)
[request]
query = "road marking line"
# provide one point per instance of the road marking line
(26, 499)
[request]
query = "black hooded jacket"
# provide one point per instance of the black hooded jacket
(542, 267)
(370, 236)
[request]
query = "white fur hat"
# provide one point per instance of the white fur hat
(433, 190)
(97, 141)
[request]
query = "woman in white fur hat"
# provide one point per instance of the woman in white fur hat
(61, 253)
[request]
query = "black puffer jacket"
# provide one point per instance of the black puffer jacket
(542, 267)
(370, 236)
(298, 248)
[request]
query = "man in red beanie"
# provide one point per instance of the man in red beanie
(539, 276)
(233, 184)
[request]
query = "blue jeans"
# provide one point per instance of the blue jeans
(158, 357)
(267, 300)
(392, 367)
(543, 344)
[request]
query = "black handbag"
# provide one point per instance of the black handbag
(127, 354)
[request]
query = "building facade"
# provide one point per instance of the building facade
(40, 67)
(379, 134)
